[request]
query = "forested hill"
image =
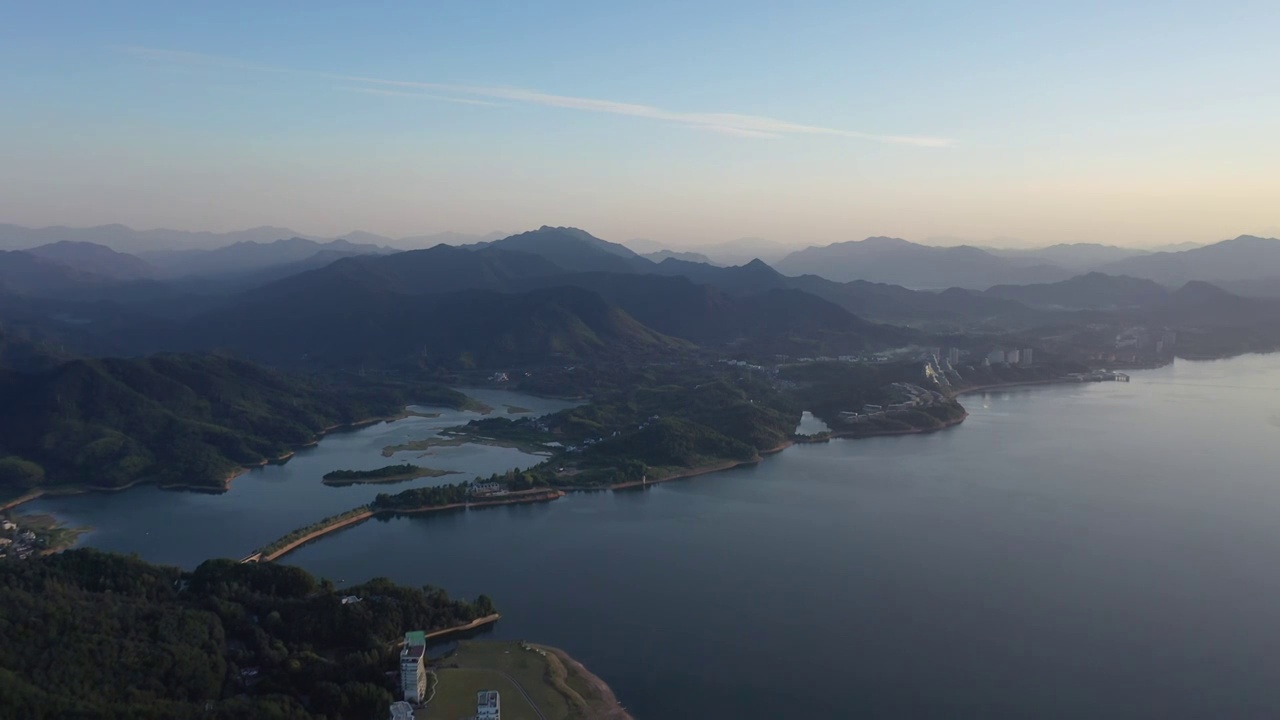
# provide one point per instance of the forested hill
(175, 419)
(95, 635)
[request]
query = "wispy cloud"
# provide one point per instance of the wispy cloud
(179, 57)
(735, 131)
(747, 126)
(425, 96)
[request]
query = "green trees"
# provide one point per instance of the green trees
(20, 474)
(175, 419)
(423, 497)
(382, 472)
(95, 635)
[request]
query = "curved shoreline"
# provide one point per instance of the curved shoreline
(615, 711)
(517, 498)
(226, 481)
(1020, 383)
(733, 464)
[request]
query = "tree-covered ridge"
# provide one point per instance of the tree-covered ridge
(175, 419)
(654, 420)
(95, 635)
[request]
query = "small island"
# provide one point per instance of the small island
(384, 475)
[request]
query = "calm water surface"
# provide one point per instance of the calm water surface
(1101, 550)
(185, 528)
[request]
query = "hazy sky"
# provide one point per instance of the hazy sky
(687, 122)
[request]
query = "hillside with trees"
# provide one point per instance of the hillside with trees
(178, 420)
(95, 635)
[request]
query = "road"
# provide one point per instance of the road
(528, 699)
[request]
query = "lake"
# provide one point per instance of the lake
(185, 528)
(1095, 550)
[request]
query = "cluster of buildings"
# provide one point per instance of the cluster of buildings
(488, 705)
(1144, 340)
(1099, 376)
(907, 396)
(413, 667)
(16, 542)
(488, 488)
(1024, 357)
(413, 683)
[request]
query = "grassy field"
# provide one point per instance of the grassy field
(456, 695)
(559, 691)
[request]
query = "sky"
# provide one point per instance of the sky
(689, 123)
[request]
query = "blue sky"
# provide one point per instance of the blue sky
(689, 123)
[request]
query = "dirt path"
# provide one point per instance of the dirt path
(478, 622)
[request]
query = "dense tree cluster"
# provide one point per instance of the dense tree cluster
(175, 419)
(378, 473)
(671, 442)
(423, 497)
(95, 635)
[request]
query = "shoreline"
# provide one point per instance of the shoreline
(734, 464)
(521, 497)
(616, 711)
(67, 490)
(1019, 383)
(695, 472)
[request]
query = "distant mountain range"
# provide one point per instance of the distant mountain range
(97, 259)
(1241, 259)
(1073, 256)
(561, 293)
(1247, 263)
(899, 262)
(250, 256)
(512, 299)
(661, 255)
(1092, 291)
(127, 240)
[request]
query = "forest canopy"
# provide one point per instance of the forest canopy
(95, 635)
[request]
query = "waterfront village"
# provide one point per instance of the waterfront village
(26, 536)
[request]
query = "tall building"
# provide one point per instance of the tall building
(953, 355)
(1026, 358)
(1013, 357)
(413, 668)
(488, 705)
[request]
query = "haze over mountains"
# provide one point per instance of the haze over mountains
(563, 293)
(118, 252)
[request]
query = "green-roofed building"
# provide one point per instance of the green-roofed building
(415, 639)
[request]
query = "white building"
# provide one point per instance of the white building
(1013, 356)
(401, 711)
(1027, 357)
(488, 705)
(413, 673)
